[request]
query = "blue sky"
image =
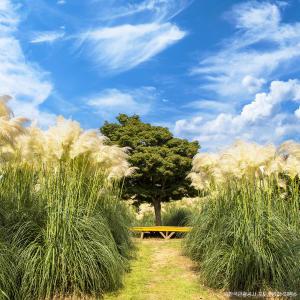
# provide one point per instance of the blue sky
(213, 71)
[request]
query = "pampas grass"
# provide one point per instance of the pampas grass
(68, 229)
(246, 236)
(75, 253)
(64, 231)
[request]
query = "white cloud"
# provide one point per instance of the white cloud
(111, 102)
(297, 112)
(255, 16)
(253, 84)
(264, 103)
(24, 81)
(32, 111)
(259, 120)
(61, 2)
(157, 10)
(123, 47)
(8, 19)
(47, 37)
(209, 105)
(138, 32)
(262, 45)
(187, 127)
(262, 49)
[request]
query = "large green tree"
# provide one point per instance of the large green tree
(162, 161)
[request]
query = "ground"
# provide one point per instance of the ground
(161, 272)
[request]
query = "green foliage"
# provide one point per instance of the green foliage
(64, 232)
(177, 216)
(162, 161)
(8, 274)
(246, 238)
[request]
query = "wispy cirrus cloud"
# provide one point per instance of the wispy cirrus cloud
(153, 10)
(123, 47)
(110, 102)
(47, 36)
(134, 40)
(25, 82)
(209, 106)
(261, 47)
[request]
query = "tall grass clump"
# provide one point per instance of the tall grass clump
(64, 231)
(8, 274)
(75, 252)
(177, 216)
(246, 236)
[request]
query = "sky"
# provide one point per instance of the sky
(209, 70)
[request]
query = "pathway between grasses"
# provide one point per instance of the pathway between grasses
(160, 272)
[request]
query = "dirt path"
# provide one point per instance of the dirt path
(160, 272)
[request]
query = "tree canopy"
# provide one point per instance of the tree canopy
(162, 161)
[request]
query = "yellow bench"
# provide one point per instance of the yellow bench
(165, 231)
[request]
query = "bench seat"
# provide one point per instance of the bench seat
(165, 231)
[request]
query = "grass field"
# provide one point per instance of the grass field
(160, 272)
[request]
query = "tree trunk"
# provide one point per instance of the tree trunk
(157, 211)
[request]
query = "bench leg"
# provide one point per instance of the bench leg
(162, 234)
(142, 235)
(170, 235)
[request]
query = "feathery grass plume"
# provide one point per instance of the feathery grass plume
(10, 129)
(5, 111)
(204, 165)
(66, 140)
(61, 137)
(246, 236)
(289, 151)
(244, 159)
(87, 142)
(290, 148)
(32, 147)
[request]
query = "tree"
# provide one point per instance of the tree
(162, 161)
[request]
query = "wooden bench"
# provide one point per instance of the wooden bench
(165, 231)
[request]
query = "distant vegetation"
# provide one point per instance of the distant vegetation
(174, 213)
